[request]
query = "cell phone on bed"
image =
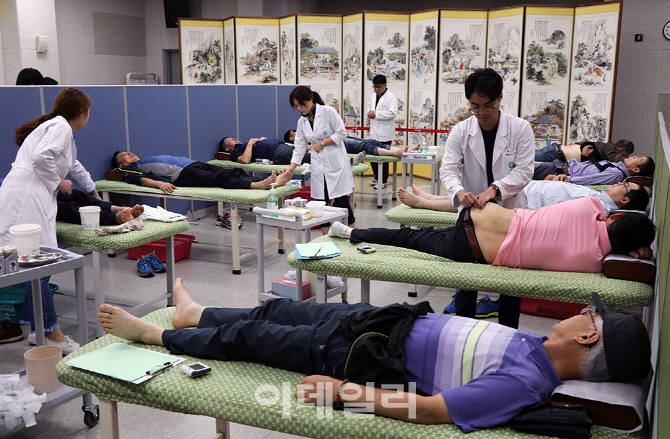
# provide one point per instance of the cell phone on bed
(195, 369)
(366, 249)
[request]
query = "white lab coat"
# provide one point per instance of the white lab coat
(332, 163)
(28, 193)
(382, 127)
(464, 162)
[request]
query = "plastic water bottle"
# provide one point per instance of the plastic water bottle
(424, 144)
(273, 201)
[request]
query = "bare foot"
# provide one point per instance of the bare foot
(398, 151)
(137, 210)
(124, 216)
(408, 198)
(265, 184)
(119, 322)
(416, 190)
(188, 312)
(284, 178)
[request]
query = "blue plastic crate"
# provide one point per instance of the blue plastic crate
(11, 301)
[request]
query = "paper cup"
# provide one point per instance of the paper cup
(26, 238)
(41, 368)
(90, 217)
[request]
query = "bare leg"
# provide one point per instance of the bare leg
(264, 184)
(443, 205)
(396, 152)
(119, 322)
(188, 312)
(416, 190)
(55, 335)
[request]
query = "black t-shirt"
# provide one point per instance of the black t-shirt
(489, 143)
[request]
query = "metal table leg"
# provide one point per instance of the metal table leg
(98, 289)
(80, 293)
(234, 221)
(380, 174)
(38, 311)
(260, 256)
(395, 181)
(170, 275)
(365, 290)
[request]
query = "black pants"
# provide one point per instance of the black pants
(451, 243)
(509, 308)
(385, 168)
(547, 168)
(283, 154)
(69, 204)
(342, 202)
(199, 174)
(296, 336)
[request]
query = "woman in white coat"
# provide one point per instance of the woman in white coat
(47, 154)
(322, 127)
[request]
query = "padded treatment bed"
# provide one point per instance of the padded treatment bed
(257, 167)
(228, 393)
(424, 269)
(232, 196)
(71, 234)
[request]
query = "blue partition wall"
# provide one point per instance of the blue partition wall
(20, 105)
(149, 120)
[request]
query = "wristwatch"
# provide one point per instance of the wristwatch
(323, 143)
(495, 186)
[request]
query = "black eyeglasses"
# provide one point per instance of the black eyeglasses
(625, 186)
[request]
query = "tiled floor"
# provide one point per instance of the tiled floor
(207, 276)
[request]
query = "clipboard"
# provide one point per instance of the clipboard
(320, 250)
(125, 362)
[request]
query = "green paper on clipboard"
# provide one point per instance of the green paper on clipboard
(125, 362)
(318, 250)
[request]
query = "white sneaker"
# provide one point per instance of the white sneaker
(32, 339)
(334, 282)
(373, 182)
(383, 186)
(339, 230)
(67, 345)
(358, 158)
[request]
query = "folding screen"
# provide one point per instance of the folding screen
(229, 51)
(320, 47)
(594, 52)
(423, 69)
(257, 40)
(287, 48)
(546, 72)
(200, 50)
(352, 72)
(385, 48)
(504, 53)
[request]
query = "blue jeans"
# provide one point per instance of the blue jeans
(354, 145)
(550, 153)
(48, 308)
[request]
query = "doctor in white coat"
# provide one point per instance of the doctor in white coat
(488, 157)
(321, 126)
(382, 111)
(47, 154)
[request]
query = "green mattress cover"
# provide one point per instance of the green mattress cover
(71, 234)
(409, 216)
(379, 158)
(424, 269)
(255, 167)
(236, 196)
(228, 392)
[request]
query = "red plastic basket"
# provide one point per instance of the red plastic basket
(551, 308)
(182, 248)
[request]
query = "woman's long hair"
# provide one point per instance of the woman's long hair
(70, 103)
(303, 94)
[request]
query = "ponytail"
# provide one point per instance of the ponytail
(317, 99)
(70, 104)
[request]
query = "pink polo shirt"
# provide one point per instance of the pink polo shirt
(562, 237)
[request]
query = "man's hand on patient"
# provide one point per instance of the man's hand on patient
(467, 199)
(486, 196)
(65, 186)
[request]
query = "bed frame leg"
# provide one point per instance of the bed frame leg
(109, 419)
(234, 218)
(222, 429)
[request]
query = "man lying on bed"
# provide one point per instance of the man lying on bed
(166, 172)
(110, 215)
(356, 145)
(570, 236)
(594, 172)
(454, 362)
(542, 193)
